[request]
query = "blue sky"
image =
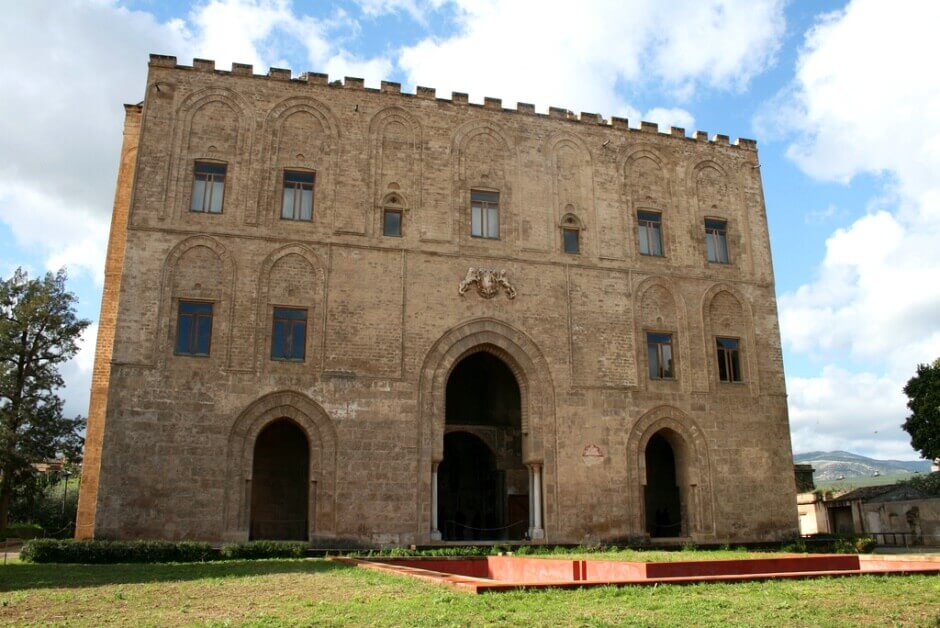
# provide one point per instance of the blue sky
(847, 121)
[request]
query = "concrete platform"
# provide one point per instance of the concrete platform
(502, 573)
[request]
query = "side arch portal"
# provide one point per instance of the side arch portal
(692, 473)
(313, 422)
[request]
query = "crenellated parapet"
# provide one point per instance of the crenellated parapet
(458, 98)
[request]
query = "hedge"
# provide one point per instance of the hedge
(21, 531)
(266, 549)
(99, 552)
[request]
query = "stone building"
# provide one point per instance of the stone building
(335, 312)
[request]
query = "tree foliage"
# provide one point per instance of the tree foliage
(923, 393)
(39, 331)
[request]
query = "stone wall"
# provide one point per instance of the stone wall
(386, 323)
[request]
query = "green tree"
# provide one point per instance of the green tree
(923, 393)
(39, 331)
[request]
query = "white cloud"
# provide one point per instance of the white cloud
(574, 57)
(77, 374)
(861, 103)
(840, 410)
(670, 117)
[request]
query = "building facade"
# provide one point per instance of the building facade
(333, 312)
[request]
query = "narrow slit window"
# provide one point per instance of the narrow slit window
(208, 187)
(572, 240)
(659, 353)
(716, 240)
(391, 222)
(297, 201)
(649, 231)
(484, 214)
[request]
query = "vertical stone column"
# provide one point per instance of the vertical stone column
(531, 499)
(435, 531)
(537, 531)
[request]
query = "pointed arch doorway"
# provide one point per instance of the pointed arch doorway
(280, 499)
(663, 503)
(483, 486)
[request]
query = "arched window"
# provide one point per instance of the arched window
(392, 216)
(571, 234)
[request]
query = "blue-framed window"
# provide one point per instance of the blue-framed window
(659, 354)
(716, 240)
(649, 232)
(289, 334)
(297, 203)
(208, 187)
(729, 359)
(194, 328)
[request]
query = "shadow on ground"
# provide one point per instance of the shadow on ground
(19, 576)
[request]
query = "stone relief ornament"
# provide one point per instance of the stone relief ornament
(488, 282)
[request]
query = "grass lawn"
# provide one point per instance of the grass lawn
(314, 591)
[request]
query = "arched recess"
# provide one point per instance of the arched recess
(572, 175)
(483, 158)
(693, 470)
(320, 155)
(650, 295)
(537, 393)
(304, 288)
(321, 435)
(397, 147)
(646, 187)
(719, 321)
(182, 154)
(214, 291)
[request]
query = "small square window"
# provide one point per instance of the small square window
(659, 353)
(208, 187)
(571, 239)
(391, 223)
(649, 232)
(297, 200)
(729, 359)
(289, 334)
(716, 240)
(193, 328)
(484, 214)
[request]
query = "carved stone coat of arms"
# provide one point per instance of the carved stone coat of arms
(488, 282)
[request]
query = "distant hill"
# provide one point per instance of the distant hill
(829, 465)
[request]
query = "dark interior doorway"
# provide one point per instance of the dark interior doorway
(663, 505)
(482, 483)
(279, 487)
(468, 485)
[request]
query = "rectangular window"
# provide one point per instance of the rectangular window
(297, 203)
(193, 328)
(484, 214)
(391, 223)
(716, 239)
(649, 226)
(729, 360)
(659, 352)
(571, 238)
(208, 187)
(289, 334)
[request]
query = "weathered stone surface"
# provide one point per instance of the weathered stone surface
(171, 438)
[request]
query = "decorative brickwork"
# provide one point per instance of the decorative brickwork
(384, 316)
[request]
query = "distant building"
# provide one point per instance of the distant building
(338, 312)
(894, 515)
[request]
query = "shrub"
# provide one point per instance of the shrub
(266, 549)
(21, 531)
(864, 544)
(99, 552)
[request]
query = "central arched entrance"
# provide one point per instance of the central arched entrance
(280, 494)
(662, 499)
(483, 485)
